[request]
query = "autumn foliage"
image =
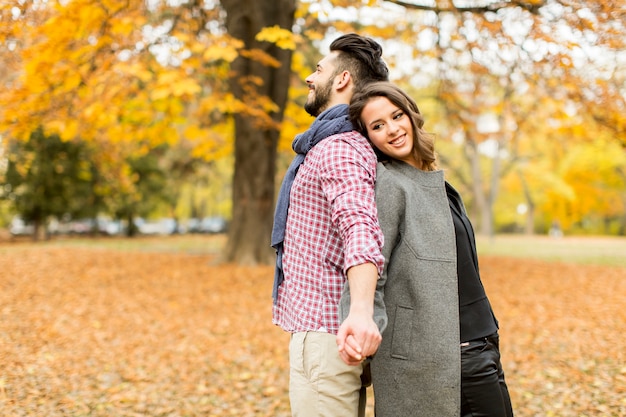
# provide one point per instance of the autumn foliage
(526, 98)
(88, 331)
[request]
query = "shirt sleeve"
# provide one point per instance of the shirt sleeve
(348, 178)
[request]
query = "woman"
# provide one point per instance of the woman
(439, 355)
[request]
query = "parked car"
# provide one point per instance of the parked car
(214, 224)
(100, 225)
(19, 227)
(165, 226)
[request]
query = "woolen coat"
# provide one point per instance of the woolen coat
(417, 369)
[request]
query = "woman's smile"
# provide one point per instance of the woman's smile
(389, 129)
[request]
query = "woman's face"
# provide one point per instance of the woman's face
(389, 129)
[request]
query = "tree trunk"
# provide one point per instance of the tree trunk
(529, 228)
(256, 145)
(481, 203)
(622, 226)
(36, 229)
(494, 188)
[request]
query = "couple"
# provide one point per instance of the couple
(338, 287)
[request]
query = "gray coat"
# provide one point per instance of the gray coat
(417, 369)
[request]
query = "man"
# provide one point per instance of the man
(326, 232)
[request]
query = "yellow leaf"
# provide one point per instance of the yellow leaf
(283, 38)
(194, 133)
(66, 129)
(160, 93)
(70, 130)
(229, 104)
(261, 57)
(124, 26)
(167, 78)
(216, 53)
(137, 71)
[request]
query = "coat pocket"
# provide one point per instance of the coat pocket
(402, 332)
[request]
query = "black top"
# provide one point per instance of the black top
(476, 316)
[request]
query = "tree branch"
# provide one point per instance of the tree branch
(532, 7)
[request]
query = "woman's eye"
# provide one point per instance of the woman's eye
(398, 116)
(377, 126)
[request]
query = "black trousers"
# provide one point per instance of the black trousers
(483, 390)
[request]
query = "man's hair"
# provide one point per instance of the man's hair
(362, 57)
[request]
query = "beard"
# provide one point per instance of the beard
(321, 98)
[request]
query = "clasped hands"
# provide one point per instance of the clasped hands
(358, 338)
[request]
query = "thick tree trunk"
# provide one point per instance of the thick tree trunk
(256, 144)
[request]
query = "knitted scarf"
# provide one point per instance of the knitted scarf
(329, 122)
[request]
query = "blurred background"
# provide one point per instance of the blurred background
(169, 117)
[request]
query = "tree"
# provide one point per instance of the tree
(131, 76)
(125, 77)
(148, 191)
(256, 137)
(46, 177)
(490, 57)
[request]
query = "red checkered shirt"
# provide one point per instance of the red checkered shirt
(332, 225)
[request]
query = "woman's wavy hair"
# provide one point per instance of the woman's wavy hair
(423, 142)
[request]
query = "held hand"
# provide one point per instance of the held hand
(351, 352)
(358, 337)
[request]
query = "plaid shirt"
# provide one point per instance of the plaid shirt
(332, 225)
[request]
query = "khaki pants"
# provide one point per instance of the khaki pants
(320, 383)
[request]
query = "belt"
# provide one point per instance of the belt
(480, 339)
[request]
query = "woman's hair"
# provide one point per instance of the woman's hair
(423, 142)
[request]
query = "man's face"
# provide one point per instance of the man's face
(321, 85)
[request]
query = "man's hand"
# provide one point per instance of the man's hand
(358, 338)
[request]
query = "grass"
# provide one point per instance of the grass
(596, 250)
(189, 244)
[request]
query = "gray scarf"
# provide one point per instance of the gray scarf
(329, 122)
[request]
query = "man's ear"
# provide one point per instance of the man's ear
(343, 80)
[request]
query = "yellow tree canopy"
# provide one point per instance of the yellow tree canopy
(104, 71)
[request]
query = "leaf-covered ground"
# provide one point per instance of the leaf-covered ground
(104, 332)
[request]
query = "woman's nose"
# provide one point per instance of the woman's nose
(392, 128)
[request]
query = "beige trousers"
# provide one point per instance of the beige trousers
(320, 383)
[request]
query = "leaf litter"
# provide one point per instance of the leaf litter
(101, 332)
